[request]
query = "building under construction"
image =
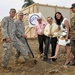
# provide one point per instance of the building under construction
(45, 10)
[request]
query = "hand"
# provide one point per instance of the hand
(50, 34)
(24, 35)
(7, 39)
(35, 36)
(66, 39)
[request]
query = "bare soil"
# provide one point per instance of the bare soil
(41, 68)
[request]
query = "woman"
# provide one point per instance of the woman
(64, 37)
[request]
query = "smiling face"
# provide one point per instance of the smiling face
(21, 17)
(12, 13)
(73, 10)
(58, 16)
(49, 20)
(39, 20)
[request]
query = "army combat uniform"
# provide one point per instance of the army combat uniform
(20, 30)
(8, 31)
(72, 35)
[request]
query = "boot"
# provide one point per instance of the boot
(46, 59)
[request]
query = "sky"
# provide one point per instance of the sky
(5, 5)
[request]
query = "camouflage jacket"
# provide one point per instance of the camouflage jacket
(8, 28)
(72, 29)
(20, 28)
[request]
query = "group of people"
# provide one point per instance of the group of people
(14, 36)
(49, 34)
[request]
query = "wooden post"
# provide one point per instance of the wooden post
(28, 10)
(44, 18)
(33, 8)
(55, 8)
(37, 7)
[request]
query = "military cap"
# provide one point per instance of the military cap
(22, 14)
(73, 5)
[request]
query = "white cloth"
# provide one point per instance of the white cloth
(61, 40)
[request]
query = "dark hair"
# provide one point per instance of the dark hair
(13, 10)
(58, 21)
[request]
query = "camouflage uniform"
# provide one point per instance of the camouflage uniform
(20, 30)
(72, 35)
(8, 31)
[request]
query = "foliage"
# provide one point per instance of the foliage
(27, 3)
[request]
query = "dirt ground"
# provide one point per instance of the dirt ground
(41, 68)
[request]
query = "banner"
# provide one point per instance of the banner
(32, 19)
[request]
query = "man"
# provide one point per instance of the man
(72, 33)
(39, 30)
(20, 33)
(10, 39)
(51, 33)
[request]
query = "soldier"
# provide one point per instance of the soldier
(20, 33)
(72, 33)
(10, 39)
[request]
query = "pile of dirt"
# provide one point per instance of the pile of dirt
(41, 68)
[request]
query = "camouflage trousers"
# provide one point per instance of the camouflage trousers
(18, 53)
(73, 47)
(8, 49)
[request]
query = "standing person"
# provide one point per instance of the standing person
(65, 29)
(10, 39)
(39, 30)
(72, 33)
(50, 32)
(20, 33)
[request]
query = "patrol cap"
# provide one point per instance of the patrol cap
(73, 5)
(22, 14)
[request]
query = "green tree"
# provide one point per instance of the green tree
(27, 3)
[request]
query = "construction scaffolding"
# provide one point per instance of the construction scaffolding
(46, 11)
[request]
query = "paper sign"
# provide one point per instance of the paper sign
(32, 19)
